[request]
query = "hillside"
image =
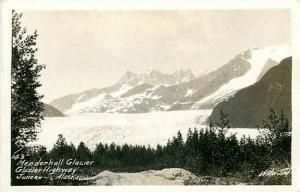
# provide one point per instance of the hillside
(50, 111)
(251, 105)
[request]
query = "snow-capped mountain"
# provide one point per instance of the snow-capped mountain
(250, 106)
(156, 91)
(261, 60)
(132, 93)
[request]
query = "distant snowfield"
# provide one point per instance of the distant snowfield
(142, 129)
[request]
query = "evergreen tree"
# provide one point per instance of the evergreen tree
(232, 153)
(159, 154)
(278, 125)
(26, 105)
(98, 154)
(180, 150)
(222, 125)
(62, 150)
(278, 138)
(83, 153)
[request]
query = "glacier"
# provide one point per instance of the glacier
(135, 129)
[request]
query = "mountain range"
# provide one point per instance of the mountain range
(181, 90)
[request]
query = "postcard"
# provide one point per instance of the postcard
(184, 96)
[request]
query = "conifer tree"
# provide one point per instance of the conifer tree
(26, 105)
(223, 123)
(61, 149)
(83, 153)
(98, 154)
(278, 139)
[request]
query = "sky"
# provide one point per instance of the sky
(93, 49)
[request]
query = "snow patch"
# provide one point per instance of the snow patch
(85, 105)
(124, 88)
(190, 92)
(79, 98)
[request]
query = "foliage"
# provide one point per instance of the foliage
(26, 105)
(62, 150)
(278, 138)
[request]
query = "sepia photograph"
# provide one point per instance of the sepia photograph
(151, 97)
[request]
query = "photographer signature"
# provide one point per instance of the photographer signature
(271, 172)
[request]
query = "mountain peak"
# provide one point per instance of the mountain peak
(189, 70)
(151, 70)
(182, 71)
(129, 72)
(277, 52)
(184, 75)
(127, 77)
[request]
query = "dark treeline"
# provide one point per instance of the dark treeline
(204, 152)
